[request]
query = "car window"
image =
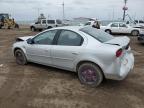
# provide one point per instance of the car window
(114, 25)
(88, 23)
(122, 25)
(141, 21)
(98, 34)
(69, 38)
(51, 21)
(136, 21)
(43, 21)
(59, 21)
(127, 22)
(45, 38)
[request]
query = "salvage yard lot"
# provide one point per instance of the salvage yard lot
(37, 86)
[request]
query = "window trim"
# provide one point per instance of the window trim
(114, 23)
(123, 24)
(59, 33)
(43, 33)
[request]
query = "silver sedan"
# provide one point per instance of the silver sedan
(90, 52)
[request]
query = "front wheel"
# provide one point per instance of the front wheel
(17, 26)
(20, 57)
(90, 74)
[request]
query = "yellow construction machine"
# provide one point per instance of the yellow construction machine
(7, 22)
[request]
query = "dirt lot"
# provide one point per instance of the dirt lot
(37, 86)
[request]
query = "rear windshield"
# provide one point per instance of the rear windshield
(97, 34)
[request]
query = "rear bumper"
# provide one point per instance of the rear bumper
(124, 69)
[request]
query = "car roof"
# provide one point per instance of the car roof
(73, 28)
(118, 22)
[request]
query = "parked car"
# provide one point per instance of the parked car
(45, 24)
(91, 23)
(141, 38)
(136, 23)
(139, 22)
(92, 53)
(121, 28)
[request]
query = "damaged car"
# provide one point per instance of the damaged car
(92, 53)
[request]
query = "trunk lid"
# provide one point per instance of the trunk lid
(120, 41)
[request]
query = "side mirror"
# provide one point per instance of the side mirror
(30, 41)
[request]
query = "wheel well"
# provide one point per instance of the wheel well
(134, 30)
(32, 27)
(80, 63)
(49, 26)
(107, 30)
(16, 49)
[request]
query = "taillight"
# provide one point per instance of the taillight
(119, 53)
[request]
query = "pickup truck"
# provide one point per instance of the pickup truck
(45, 24)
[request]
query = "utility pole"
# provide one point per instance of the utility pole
(124, 9)
(63, 11)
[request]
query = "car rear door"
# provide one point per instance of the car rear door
(123, 28)
(51, 23)
(67, 49)
(40, 50)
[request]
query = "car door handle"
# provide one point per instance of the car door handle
(74, 53)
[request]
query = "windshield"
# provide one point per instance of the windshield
(97, 34)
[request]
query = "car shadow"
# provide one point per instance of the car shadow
(107, 83)
(53, 69)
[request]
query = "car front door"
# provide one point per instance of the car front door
(40, 50)
(114, 28)
(67, 49)
(44, 24)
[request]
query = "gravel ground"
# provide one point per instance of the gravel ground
(37, 86)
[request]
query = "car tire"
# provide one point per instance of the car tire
(108, 31)
(90, 74)
(135, 33)
(33, 29)
(8, 27)
(20, 57)
(17, 26)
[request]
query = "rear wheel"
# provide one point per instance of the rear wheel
(90, 74)
(20, 57)
(135, 33)
(108, 31)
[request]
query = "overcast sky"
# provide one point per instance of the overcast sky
(101, 9)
